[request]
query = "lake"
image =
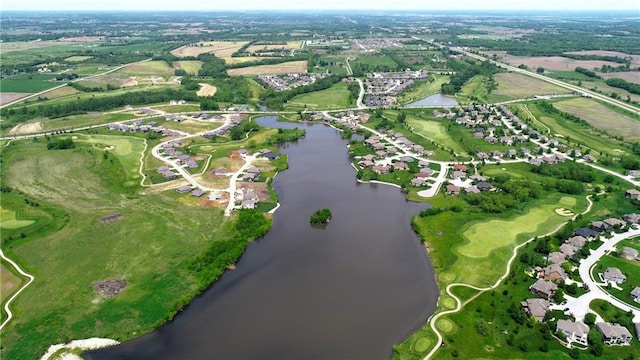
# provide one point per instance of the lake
(435, 100)
(349, 291)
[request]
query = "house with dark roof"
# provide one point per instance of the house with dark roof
(573, 331)
(271, 155)
(183, 189)
(484, 186)
(614, 334)
(585, 233)
(197, 193)
(536, 308)
(544, 289)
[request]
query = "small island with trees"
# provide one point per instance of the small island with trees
(322, 216)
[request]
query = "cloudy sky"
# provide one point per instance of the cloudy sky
(323, 4)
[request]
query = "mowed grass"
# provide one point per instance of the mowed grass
(148, 248)
(517, 86)
(76, 121)
(377, 60)
(335, 97)
(190, 66)
(8, 220)
(600, 116)
(297, 67)
(148, 68)
(423, 88)
(436, 131)
(485, 236)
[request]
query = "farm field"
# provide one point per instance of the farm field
(602, 117)
(635, 59)
(335, 97)
(517, 86)
(288, 45)
(374, 60)
(601, 87)
(190, 66)
(630, 76)
(436, 131)
(298, 67)
(75, 121)
(78, 58)
(60, 92)
(555, 62)
(7, 97)
(221, 49)
(157, 68)
(90, 187)
(26, 85)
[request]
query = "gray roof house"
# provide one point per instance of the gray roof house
(556, 257)
(573, 331)
(536, 308)
(613, 275)
(567, 249)
(629, 253)
(635, 295)
(577, 242)
(613, 334)
(544, 289)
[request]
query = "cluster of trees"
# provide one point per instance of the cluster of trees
(212, 66)
(616, 59)
(464, 72)
(624, 84)
(18, 114)
(238, 132)
(286, 135)
(61, 144)
(83, 88)
(209, 266)
(587, 72)
(275, 99)
(566, 170)
(321, 216)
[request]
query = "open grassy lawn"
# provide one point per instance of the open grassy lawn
(148, 248)
(297, 67)
(9, 282)
(190, 66)
(602, 117)
(335, 97)
(148, 68)
(631, 269)
(377, 60)
(578, 133)
(423, 88)
(518, 86)
(436, 131)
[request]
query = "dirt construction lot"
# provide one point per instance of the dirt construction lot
(26, 128)
(206, 90)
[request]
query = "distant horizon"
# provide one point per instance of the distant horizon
(325, 5)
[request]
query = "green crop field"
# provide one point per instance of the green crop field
(377, 60)
(600, 116)
(148, 68)
(28, 84)
(335, 97)
(190, 66)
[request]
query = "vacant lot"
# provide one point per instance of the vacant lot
(519, 86)
(60, 92)
(555, 62)
(26, 128)
(78, 58)
(7, 97)
(630, 76)
(288, 45)
(602, 117)
(436, 131)
(335, 97)
(158, 68)
(296, 67)
(206, 90)
(220, 48)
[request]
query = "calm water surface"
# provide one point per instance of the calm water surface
(435, 100)
(350, 291)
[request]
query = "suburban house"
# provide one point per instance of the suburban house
(629, 253)
(599, 226)
(453, 190)
(585, 233)
(536, 308)
(613, 334)
(613, 275)
(635, 294)
(544, 289)
(577, 242)
(567, 249)
(573, 331)
(380, 169)
(554, 272)
(460, 167)
(632, 194)
(615, 223)
(197, 193)
(484, 186)
(183, 189)
(632, 218)
(556, 257)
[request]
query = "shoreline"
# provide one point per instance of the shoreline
(63, 351)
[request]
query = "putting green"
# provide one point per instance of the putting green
(448, 302)
(485, 236)
(422, 345)
(206, 148)
(8, 220)
(445, 325)
(568, 201)
(121, 146)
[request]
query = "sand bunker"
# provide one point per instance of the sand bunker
(564, 212)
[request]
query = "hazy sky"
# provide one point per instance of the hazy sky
(321, 4)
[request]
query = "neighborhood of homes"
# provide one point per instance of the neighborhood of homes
(559, 270)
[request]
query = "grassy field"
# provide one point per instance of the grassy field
(297, 67)
(436, 131)
(423, 88)
(148, 247)
(75, 121)
(336, 97)
(28, 84)
(517, 86)
(221, 49)
(148, 68)
(600, 116)
(8, 283)
(190, 66)
(377, 60)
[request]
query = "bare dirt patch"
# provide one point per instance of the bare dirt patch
(259, 188)
(292, 67)
(555, 62)
(521, 86)
(7, 97)
(26, 128)
(206, 90)
(109, 288)
(129, 82)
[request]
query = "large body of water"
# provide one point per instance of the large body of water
(435, 100)
(349, 291)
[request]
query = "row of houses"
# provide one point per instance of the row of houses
(234, 120)
(284, 82)
(138, 127)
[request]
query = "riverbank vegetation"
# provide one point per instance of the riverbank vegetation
(321, 216)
